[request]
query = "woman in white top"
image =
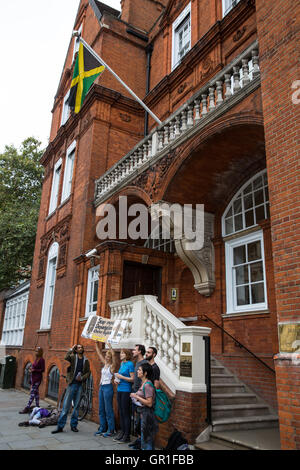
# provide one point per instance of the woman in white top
(106, 393)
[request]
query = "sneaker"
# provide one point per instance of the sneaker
(74, 429)
(24, 423)
(25, 411)
(119, 436)
(99, 433)
(124, 440)
(108, 434)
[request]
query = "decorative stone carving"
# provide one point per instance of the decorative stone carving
(200, 259)
(125, 117)
(239, 34)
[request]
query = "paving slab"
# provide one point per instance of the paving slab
(13, 437)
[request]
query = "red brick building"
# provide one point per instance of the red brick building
(222, 76)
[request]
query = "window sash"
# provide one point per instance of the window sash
(49, 291)
(228, 5)
(55, 187)
(250, 285)
(14, 321)
(92, 291)
(68, 175)
(181, 36)
(66, 111)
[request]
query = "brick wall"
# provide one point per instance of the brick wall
(279, 37)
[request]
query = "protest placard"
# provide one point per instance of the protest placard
(104, 330)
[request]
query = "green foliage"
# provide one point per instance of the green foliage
(21, 177)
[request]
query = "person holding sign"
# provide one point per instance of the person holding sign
(124, 378)
(106, 392)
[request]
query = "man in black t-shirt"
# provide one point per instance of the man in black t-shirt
(151, 353)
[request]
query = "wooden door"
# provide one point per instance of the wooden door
(141, 279)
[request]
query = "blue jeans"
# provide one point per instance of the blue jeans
(73, 393)
(106, 412)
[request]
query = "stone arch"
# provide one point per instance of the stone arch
(184, 153)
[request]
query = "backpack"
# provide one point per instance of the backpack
(162, 406)
(175, 441)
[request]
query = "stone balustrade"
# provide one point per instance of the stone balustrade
(149, 323)
(226, 89)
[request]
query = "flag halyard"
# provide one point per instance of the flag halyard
(87, 69)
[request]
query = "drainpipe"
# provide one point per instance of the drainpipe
(149, 50)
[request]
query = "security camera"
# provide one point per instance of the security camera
(91, 253)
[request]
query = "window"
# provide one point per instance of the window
(92, 291)
(14, 320)
(66, 110)
(49, 287)
(27, 376)
(156, 240)
(245, 263)
(249, 206)
(55, 186)
(245, 274)
(53, 383)
(181, 37)
(229, 5)
(68, 175)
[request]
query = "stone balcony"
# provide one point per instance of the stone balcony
(229, 87)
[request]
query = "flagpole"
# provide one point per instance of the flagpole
(77, 34)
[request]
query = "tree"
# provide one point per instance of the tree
(21, 177)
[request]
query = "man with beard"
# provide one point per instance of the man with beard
(151, 353)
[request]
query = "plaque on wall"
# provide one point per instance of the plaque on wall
(186, 347)
(186, 366)
(289, 337)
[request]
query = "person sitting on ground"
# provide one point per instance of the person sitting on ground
(106, 392)
(35, 417)
(78, 373)
(36, 370)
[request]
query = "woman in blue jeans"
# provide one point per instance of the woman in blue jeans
(106, 393)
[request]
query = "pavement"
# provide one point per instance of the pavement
(13, 437)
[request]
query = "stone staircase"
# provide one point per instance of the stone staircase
(239, 416)
(234, 406)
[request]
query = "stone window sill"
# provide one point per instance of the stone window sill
(245, 314)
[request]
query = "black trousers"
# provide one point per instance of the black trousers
(124, 400)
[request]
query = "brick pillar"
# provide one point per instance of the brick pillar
(279, 37)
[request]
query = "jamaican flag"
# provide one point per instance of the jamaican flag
(87, 68)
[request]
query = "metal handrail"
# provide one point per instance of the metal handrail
(239, 344)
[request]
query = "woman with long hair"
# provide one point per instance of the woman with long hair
(145, 396)
(106, 392)
(37, 369)
(124, 378)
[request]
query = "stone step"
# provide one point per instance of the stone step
(223, 379)
(245, 422)
(214, 445)
(218, 370)
(231, 411)
(233, 398)
(227, 388)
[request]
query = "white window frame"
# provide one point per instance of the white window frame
(55, 186)
(68, 171)
(228, 5)
(66, 111)
(90, 290)
(14, 320)
(244, 210)
(49, 290)
(175, 30)
(232, 306)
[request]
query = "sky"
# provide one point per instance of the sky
(34, 38)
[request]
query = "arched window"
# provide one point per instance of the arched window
(27, 376)
(249, 205)
(53, 383)
(244, 250)
(49, 287)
